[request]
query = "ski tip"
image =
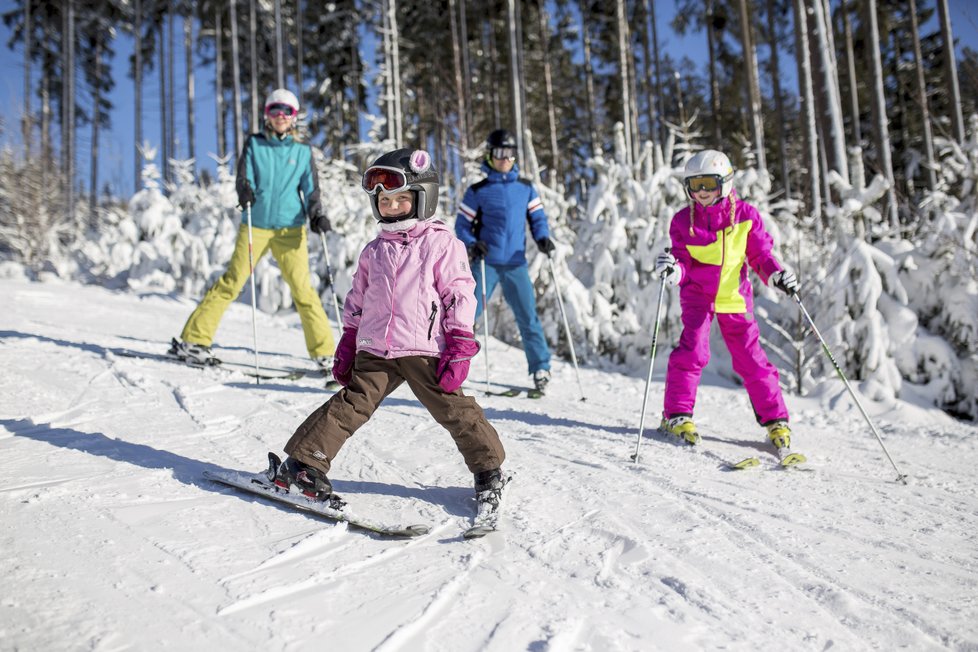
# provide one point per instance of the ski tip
(416, 530)
(793, 459)
(478, 531)
(748, 463)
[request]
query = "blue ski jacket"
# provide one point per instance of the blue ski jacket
(496, 210)
(282, 174)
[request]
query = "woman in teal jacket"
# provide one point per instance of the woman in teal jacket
(277, 180)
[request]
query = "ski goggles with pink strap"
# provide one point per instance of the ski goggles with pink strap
(384, 179)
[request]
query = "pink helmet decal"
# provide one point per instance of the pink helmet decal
(420, 161)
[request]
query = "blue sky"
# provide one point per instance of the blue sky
(116, 147)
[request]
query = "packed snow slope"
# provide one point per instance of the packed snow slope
(112, 540)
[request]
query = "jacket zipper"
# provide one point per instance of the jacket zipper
(431, 318)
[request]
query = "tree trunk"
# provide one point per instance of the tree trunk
(753, 88)
(466, 69)
(775, 72)
(164, 123)
(494, 77)
(188, 49)
(279, 49)
(515, 79)
(396, 73)
(588, 77)
(254, 124)
(711, 39)
(836, 150)
(857, 135)
(879, 113)
(548, 80)
(658, 78)
(809, 130)
(218, 86)
(298, 50)
(459, 90)
(626, 103)
(28, 46)
(931, 165)
(68, 107)
(138, 95)
(93, 156)
(235, 77)
(951, 70)
(171, 105)
(650, 105)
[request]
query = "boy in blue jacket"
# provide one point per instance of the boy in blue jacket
(492, 223)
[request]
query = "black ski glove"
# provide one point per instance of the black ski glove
(546, 245)
(785, 281)
(246, 195)
(478, 250)
(319, 223)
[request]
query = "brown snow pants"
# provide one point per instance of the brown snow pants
(320, 437)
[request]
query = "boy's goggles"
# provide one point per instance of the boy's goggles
(708, 182)
(384, 179)
(276, 110)
(503, 153)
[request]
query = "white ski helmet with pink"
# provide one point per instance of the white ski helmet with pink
(710, 163)
(286, 97)
(282, 96)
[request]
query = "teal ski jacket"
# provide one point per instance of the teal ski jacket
(282, 174)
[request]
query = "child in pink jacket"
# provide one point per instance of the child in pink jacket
(714, 240)
(408, 318)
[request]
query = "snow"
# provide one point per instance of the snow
(113, 540)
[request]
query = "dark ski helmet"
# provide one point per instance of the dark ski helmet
(500, 138)
(404, 169)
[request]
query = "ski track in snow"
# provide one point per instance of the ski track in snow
(105, 503)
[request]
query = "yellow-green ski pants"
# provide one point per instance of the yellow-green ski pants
(290, 251)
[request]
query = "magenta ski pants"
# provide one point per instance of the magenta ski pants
(742, 337)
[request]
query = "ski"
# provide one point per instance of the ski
(513, 392)
(263, 373)
(788, 461)
(486, 521)
(258, 484)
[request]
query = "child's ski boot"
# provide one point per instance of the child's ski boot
(682, 427)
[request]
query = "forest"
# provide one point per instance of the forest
(854, 132)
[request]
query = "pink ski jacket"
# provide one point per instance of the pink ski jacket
(712, 255)
(409, 289)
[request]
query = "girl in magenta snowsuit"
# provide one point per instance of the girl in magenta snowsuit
(714, 240)
(408, 318)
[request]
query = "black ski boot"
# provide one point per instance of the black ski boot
(489, 487)
(311, 481)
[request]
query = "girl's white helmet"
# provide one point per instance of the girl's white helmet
(282, 96)
(710, 162)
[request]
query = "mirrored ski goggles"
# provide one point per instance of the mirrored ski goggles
(384, 179)
(276, 110)
(708, 182)
(503, 153)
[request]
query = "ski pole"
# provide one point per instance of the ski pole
(570, 340)
(254, 304)
(794, 295)
(648, 381)
(332, 287)
(485, 316)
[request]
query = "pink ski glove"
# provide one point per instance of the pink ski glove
(453, 367)
(346, 353)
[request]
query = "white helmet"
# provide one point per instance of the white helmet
(710, 163)
(282, 96)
